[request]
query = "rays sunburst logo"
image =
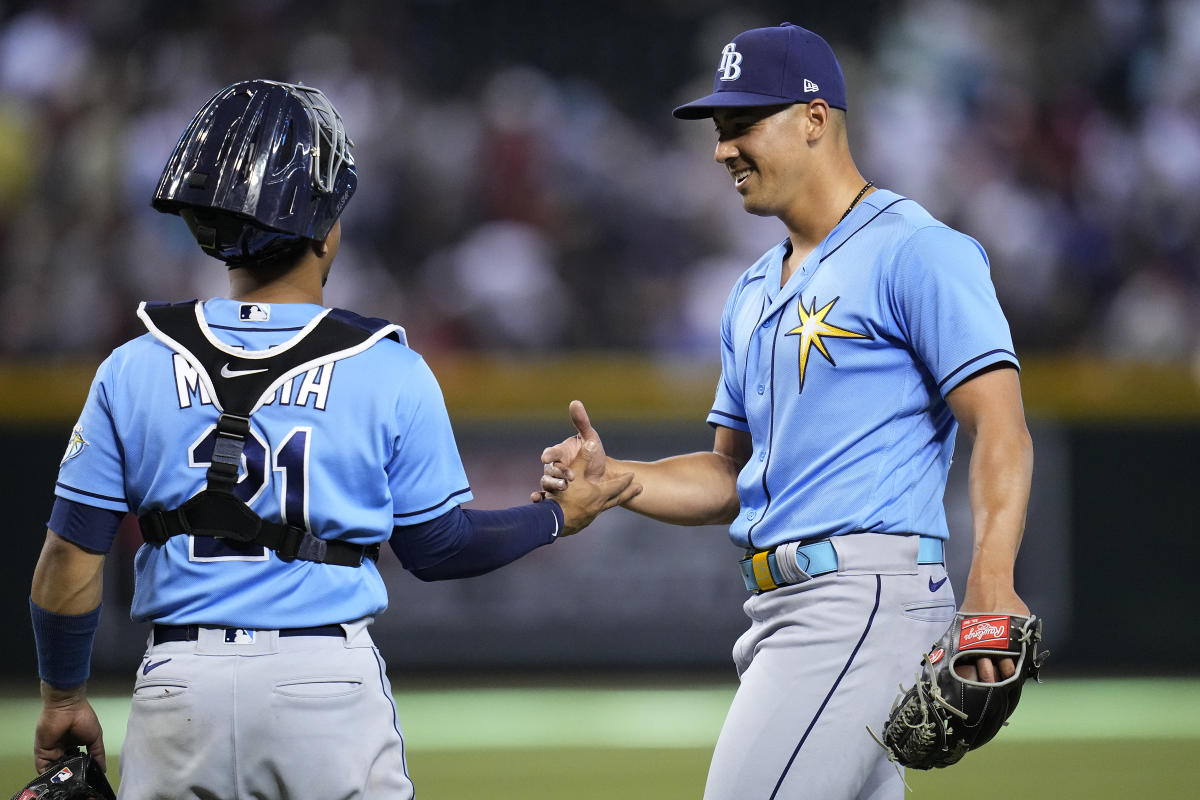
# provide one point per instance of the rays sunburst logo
(814, 330)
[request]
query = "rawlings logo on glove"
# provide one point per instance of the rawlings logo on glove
(943, 716)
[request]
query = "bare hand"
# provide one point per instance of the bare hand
(586, 497)
(556, 460)
(67, 719)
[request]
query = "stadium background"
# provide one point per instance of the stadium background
(543, 228)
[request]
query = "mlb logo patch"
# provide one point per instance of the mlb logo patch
(255, 312)
(63, 775)
(239, 636)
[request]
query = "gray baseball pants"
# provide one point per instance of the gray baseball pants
(276, 718)
(820, 662)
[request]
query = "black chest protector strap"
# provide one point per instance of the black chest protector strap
(239, 385)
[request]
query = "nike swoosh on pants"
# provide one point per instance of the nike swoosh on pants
(149, 666)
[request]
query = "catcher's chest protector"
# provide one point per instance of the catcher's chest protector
(239, 382)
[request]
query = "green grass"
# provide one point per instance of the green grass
(1069, 739)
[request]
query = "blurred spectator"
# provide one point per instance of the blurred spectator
(526, 187)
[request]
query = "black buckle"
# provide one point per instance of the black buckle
(234, 425)
(154, 527)
(312, 548)
(290, 540)
(232, 432)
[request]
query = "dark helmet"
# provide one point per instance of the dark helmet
(262, 166)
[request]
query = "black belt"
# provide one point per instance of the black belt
(189, 633)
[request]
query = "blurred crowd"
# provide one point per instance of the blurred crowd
(524, 188)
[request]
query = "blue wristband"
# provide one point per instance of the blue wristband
(64, 645)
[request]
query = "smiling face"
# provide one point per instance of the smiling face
(766, 151)
(758, 147)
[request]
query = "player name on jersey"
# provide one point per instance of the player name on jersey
(309, 389)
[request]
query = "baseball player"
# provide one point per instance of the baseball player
(268, 446)
(851, 353)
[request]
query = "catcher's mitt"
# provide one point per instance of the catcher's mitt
(75, 776)
(938, 720)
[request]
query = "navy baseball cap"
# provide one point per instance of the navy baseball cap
(772, 66)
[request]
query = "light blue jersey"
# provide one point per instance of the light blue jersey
(840, 377)
(349, 449)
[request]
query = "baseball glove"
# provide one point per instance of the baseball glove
(75, 776)
(943, 716)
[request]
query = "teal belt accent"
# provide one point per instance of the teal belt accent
(761, 570)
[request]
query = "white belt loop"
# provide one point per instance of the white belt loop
(785, 561)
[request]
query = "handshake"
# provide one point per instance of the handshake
(575, 475)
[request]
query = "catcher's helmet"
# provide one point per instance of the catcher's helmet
(262, 166)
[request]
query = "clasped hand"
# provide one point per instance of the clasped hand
(575, 475)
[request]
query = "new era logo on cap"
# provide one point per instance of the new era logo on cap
(809, 86)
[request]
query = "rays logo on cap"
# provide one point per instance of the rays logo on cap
(731, 60)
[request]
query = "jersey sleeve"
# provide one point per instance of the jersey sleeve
(946, 305)
(92, 468)
(728, 409)
(425, 473)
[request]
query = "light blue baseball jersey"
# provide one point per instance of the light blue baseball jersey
(840, 376)
(352, 448)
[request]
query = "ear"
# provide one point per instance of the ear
(817, 118)
(321, 248)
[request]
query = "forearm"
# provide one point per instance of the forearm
(691, 489)
(65, 610)
(1001, 471)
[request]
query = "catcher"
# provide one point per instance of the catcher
(959, 703)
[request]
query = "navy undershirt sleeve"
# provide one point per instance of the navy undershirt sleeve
(87, 526)
(463, 542)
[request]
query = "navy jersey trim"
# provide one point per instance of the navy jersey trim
(770, 436)
(70, 488)
(449, 497)
(91, 527)
(383, 686)
(368, 324)
(832, 689)
(733, 417)
(859, 228)
(975, 360)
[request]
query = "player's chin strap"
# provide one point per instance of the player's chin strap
(216, 511)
